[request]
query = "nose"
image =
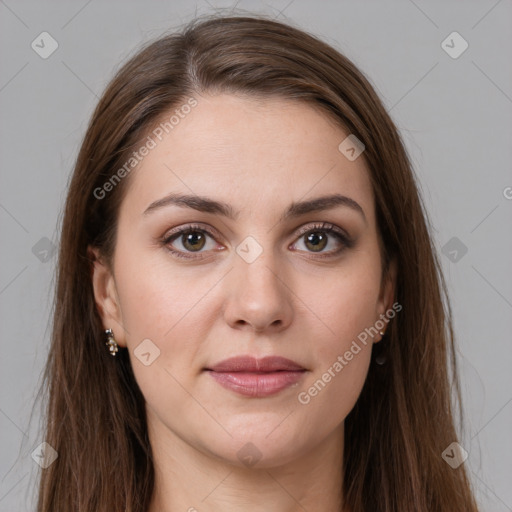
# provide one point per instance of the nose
(258, 295)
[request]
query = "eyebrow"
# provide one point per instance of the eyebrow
(296, 209)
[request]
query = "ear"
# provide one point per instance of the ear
(388, 288)
(106, 297)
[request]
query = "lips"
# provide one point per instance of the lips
(257, 378)
(251, 364)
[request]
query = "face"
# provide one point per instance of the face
(263, 275)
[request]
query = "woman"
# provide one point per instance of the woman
(248, 308)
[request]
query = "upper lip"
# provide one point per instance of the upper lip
(253, 364)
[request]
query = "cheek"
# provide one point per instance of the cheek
(341, 365)
(155, 294)
(160, 303)
(348, 312)
(346, 303)
(170, 305)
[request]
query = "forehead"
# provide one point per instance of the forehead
(256, 154)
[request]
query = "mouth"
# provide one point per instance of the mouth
(257, 378)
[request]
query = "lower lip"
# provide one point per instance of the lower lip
(257, 385)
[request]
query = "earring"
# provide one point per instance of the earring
(381, 358)
(111, 343)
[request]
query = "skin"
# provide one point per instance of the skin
(259, 156)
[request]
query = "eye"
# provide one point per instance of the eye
(319, 236)
(192, 239)
(185, 241)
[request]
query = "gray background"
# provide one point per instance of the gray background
(455, 116)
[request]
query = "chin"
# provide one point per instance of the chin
(258, 449)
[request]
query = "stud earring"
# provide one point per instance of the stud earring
(111, 343)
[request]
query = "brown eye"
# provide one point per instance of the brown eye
(193, 241)
(316, 241)
(324, 239)
(184, 242)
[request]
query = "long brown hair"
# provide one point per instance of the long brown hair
(404, 417)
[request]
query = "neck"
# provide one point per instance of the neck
(188, 479)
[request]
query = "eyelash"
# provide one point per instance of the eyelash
(324, 227)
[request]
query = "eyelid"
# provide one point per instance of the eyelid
(327, 226)
(213, 232)
(190, 227)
